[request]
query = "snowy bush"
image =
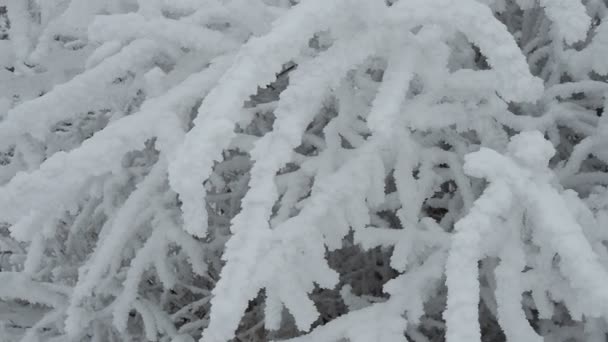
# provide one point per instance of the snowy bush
(256, 170)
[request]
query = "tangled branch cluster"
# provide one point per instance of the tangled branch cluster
(254, 170)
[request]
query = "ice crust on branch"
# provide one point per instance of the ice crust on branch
(274, 170)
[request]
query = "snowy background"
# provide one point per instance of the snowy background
(304, 171)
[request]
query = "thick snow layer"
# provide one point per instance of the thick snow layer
(278, 170)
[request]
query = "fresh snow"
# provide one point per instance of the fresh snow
(282, 170)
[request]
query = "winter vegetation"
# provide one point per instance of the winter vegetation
(304, 171)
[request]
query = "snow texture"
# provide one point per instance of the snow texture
(281, 170)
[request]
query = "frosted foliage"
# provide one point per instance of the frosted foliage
(303, 171)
